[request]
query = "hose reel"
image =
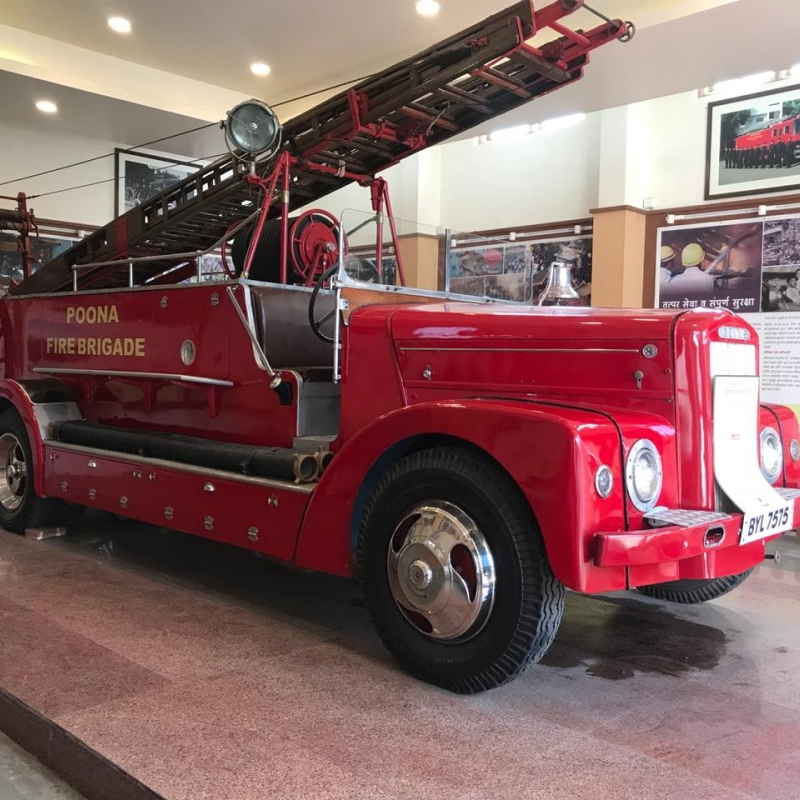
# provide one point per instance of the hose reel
(313, 247)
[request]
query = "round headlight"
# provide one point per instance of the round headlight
(252, 128)
(795, 450)
(604, 481)
(643, 475)
(771, 455)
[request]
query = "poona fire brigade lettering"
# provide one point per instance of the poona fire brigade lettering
(125, 346)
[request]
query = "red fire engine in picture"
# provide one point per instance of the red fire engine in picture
(467, 461)
(775, 145)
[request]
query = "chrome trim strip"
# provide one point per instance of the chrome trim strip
(516, 350)
(166, 287)
(177, 466)
(119, 373)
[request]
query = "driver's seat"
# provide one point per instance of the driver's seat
(281, 320)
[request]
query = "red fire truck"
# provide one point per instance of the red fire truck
(775, 145)
(466, 461)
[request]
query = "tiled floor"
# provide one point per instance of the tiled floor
(24, 778)
(208, 673)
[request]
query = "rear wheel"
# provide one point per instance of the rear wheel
(20, 506)
(455, 573)
(692, 592)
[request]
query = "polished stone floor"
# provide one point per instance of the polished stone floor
(208, 673)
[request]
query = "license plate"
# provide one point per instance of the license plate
(769, 522)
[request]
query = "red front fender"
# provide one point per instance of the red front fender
(551, 453)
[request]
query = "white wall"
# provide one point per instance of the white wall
(666, 151)
(543, 177)
(25, 152)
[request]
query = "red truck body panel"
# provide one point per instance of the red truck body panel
(548, 394)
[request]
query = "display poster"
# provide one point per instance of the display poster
(43, 248)
(751, 268)
(517, 271)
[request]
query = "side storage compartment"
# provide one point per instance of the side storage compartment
(242, 511)
(254, 513)
(97, 481)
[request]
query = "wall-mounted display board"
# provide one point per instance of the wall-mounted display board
(516, 271)
(751, 268)
(43, 248)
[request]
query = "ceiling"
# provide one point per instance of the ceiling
(98, 117)
(215, 42)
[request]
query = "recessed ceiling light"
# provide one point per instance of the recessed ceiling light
(47, 106)
(260, 69)
(119, 24)
(428, 8)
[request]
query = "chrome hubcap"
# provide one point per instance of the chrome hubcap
(441, 571)
(12, 484)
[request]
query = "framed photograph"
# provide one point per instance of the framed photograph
(753, 144)
(139, 176)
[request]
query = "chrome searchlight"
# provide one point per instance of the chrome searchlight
(252, 129)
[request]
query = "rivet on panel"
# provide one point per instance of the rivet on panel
(273, 501)
(252, 534)
(208, 523)
(209, 487)
(123, 501)
(168, 512)
(92, 494)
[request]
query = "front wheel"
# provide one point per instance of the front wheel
(454, 571)
(20, 506)
(692, 592)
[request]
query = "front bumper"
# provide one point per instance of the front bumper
(673, 543)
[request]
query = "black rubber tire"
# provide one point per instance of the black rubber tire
(529, 599)
(34, 511)
(692, 592)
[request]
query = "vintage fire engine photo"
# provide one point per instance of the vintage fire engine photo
(754, 143)
(385, 410)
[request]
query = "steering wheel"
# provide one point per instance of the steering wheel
(316, 325)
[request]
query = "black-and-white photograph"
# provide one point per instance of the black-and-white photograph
(780, 289)
(140, 176)
(754, 144)
(782, 242)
